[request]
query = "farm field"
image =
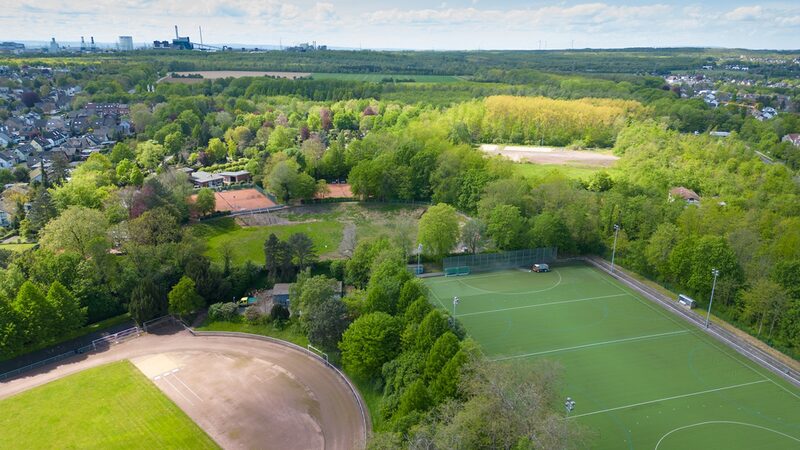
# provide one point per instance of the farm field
(93, 409)
(640, 377)
(247, 243)
(378, 77)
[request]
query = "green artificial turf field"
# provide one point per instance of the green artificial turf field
(641, 378)
(111, 406)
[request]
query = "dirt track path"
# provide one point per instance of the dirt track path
(244, 393)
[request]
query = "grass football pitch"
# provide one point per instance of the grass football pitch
(107, 407)
(641, 378)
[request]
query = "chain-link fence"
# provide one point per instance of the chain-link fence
(485, 262)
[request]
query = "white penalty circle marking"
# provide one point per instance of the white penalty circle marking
(724, 422)
(515, 293)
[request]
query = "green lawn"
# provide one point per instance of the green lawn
(377, 77)
(247, 243)
(16, 247)
(531, 170)
(638, 374)
(290, 333)
(107, 407)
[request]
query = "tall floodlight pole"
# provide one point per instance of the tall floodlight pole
(455, 302)
(614, 251)
(714, 272)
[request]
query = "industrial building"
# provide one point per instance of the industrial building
(125, 43)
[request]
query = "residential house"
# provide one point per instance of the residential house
(793, 138)
(5, 140)
(7, 161)
(204, 179)
(240, 176)
(686, 194)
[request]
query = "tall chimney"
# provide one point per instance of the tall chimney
(176, 32)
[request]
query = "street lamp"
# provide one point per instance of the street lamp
(455, 302)
(714, 272)
(419, 253)
(614, 251)
(570, 405)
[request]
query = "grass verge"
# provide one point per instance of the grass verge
(111, 406)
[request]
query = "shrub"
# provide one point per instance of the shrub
(279, 314)
(222, 311)
(253, 314)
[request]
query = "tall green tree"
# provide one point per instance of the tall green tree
(69, 314)
(183, 298)
(206, 201)
(438, 230)
(369, 342)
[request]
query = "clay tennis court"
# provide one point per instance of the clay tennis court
(336, 191)
(240, 200)
(245, 393)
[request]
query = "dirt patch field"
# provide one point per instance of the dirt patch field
(245, 393)
(240, 200)
(217, 74)
(551, 155)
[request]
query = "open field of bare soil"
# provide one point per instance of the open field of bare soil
(551, 155)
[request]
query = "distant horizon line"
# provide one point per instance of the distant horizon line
(105, 45)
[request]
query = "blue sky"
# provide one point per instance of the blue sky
(416, 24)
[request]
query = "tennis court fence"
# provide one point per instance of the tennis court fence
(486, 262)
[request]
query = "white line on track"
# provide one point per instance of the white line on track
(669, 398)
(724, 422)
(187, 387)
(595, 344)
(178, 391)
(542, 304)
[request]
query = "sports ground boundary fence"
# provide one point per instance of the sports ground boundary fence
(721, 334)
(486, 262)
(97, 344)
(353, 390)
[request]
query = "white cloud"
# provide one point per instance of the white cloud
(745, 13)
(389, 23)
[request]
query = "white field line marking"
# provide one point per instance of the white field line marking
(438, 300)
(726, 422)
(188, 388)
(471, 277)
(178, 391)
(543, 304)
(669, 398)
(635, 294)
(636, 338)
(536, 291)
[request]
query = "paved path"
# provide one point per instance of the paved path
(245, 393)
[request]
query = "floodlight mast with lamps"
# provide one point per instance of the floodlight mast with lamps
(614, 251)
(714, 272)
